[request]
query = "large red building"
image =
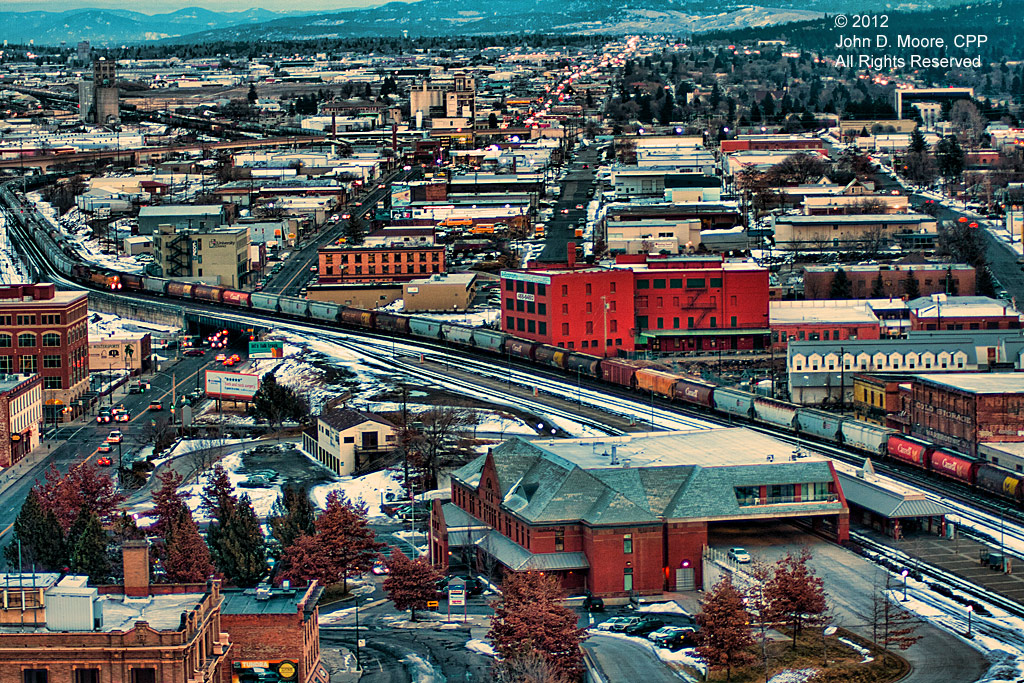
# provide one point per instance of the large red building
(631, 514)
(941, 312)
(379, 264)
(45, 331)
(641, 303)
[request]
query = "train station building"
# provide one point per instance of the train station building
(627, 515)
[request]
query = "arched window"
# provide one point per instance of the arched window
(51, 339)
(27, 339)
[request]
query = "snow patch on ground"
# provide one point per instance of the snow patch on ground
(481, 646)
(866, 653)
(370, 489)
(685, 657)
(798, 676)
(663, 608)
(421, 670)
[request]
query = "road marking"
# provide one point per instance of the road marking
(186, 380)
(591, 615)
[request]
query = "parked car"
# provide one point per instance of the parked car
(379, 569)
(674, 637)
(614, 621)
(592, 604)
(621, 626)
(195, 352)
(740, 555)
(644, 627)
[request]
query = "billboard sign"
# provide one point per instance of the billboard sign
(265, 671)
(234, 386)
(266, 349)
(401, 195)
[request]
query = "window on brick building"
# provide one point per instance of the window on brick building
(627, 579)
(542, 309)
(542, 290)
(611, 287)
(542, 328)
(661, 323)
(675, 283)
(510, 322)
(641, 301)
(559, 540)
(689, 323)
(34, 676)
(143, 676)
(28, 364)
(508, 285)
(565, 290)
(716, 282)
(590, 307)
(520, 324)
(87, 676)
(5, 341)
(27, 339)
(590, 327)
(51, 361)
(585, 344)
(589, 289)
(565, 309)
(531, 307)
(732, 321)
(613, 326)
(627, 544)
(643, 284)
(695, 283)
(611, 306)
(26, 320)
(6, 364)
(565, 328)
(510, 304)
(531, 326)
(53, 383)
(659, 283)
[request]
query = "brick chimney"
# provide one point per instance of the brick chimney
(570, 255)
(135, 556)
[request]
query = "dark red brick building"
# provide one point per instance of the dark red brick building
(642, 303)
(46, 331)
(941, 312)
(275, 629)
(619, 516)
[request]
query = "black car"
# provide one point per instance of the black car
(592, 604)
(674, 637)
(645, 627)
(474, 586)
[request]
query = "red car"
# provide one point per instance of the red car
(195, 352)
(104, 462)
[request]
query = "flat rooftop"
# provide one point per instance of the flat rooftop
(979, 382)
(824, 311)
(162, 612)
(248, 601)
(720, 447)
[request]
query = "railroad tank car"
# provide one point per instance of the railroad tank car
(236, 298)
(656, 382)
(355, 316)
(293, 306)
(521, 348)
(865, 436)
(266, 302)
(820, 424)
(908, 450)
(775, 412)
(696, 391)
(733, 402)
(157, 285)
(584, 364)
(1001, 482)
(457, 334)
(180, 289)
(391, 322)
(550, 355)
(324, 310)
(953, 465)
(489, 339)
(208, 293)
(426, 328)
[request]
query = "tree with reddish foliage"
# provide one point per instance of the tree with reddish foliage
(187, 559)
(84, 486)
(410, 583)
(342, 545)
(169, 503)
(724, 639)
(530, 617)
(797, 595)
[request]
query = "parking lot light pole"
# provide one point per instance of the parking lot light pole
(904, 575)
(970, 610)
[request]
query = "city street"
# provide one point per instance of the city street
(577, 188)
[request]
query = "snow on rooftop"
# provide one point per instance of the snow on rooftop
(163, 612)
(821, 311)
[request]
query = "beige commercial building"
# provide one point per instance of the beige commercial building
(652, 236)
(344, 439)
(368, 296)
(452, 292)
(217, 256)
(855, 231)
(444, 98)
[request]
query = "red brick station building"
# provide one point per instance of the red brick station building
(625, 515)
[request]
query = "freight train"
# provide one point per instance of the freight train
(645, 377)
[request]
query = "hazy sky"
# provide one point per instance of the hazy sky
(151, 7)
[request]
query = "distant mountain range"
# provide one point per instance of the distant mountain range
(114, 27)
(425, 18)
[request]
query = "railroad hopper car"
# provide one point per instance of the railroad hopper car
(425, 328)
(265, 302)
(734, 402)
(457, 334)
(657, 382)
(131, 281)
(324, 310)
(293, 306)
(696, 391)
(550, 355)
(866, 436)
(489, 340)
(520, 348)
(392, 323)
(818, 423)
(156, 285)
(623, 372)
(584, 364)
(774, 412)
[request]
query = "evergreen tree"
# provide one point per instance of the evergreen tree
(292, 515)
(252, 96)
(911, 287)
(88, 542)
(241, 551)
(878, 288)
(42, 540)
(492, 120)
(187, 557)
(949, 157)
(917, 143)
(949, 284)
(841, 287)
(410, 583)
(276, 403)
(354, 230)
(724, 637)
(219, 494)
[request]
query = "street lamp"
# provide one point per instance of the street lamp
(970, 610)
(904, 575)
